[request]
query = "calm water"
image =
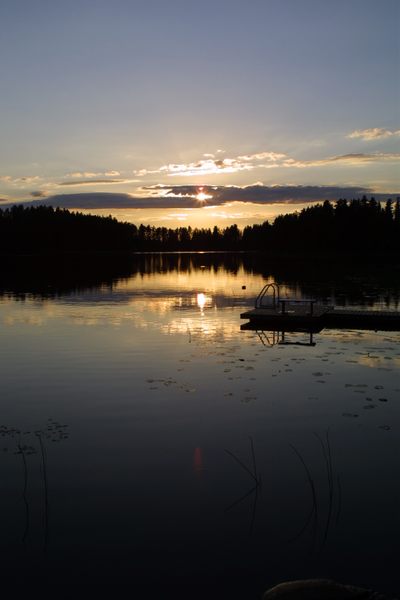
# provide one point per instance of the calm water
(128, 400)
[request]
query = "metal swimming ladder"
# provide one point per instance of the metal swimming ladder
(275, 296)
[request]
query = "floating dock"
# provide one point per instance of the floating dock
(286, 314)
(333, 318)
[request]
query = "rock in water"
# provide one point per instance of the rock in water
(319, 589)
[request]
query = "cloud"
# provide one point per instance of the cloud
(93, 181)
(263, 194)
(38, 194)
(260, 160)
(346, 159)
(360, 158)
(269, 156)
(209, 165)
(90, 174)
(374, 133)
(111, 201)
(80, 182)
(184, 197)
(29, 179)
(19, 180)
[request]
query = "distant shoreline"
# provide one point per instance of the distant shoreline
(358, 229)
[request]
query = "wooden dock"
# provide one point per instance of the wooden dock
(287, 314)
(384, 320)
(321, 318)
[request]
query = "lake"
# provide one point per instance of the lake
(146, 440)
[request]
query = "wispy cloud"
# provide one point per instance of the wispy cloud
(93, 181)
(374, 133)
(99, 200)
(345, 159)
(210, 165)
(261, 160)
(91, 174)
(26, 180)
(38, 194)
(102, 181)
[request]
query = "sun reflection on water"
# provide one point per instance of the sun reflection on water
(201, 301)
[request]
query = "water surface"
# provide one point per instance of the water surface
(129, 409)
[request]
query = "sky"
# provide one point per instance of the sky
(198, 113)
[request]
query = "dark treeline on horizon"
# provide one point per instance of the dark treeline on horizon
(357, 227)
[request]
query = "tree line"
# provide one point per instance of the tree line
(356, 227)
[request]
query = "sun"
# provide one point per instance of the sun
(202, 196)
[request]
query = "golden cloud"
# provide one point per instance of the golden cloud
(374, 133)
(261, 160)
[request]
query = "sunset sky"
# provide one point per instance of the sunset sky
(198, 113)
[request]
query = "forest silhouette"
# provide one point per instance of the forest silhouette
(359, 227)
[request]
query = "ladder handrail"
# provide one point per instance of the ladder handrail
(275, 295)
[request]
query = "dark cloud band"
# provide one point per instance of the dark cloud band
(182, 197)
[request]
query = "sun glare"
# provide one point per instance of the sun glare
(202, 196)
(201, 301)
